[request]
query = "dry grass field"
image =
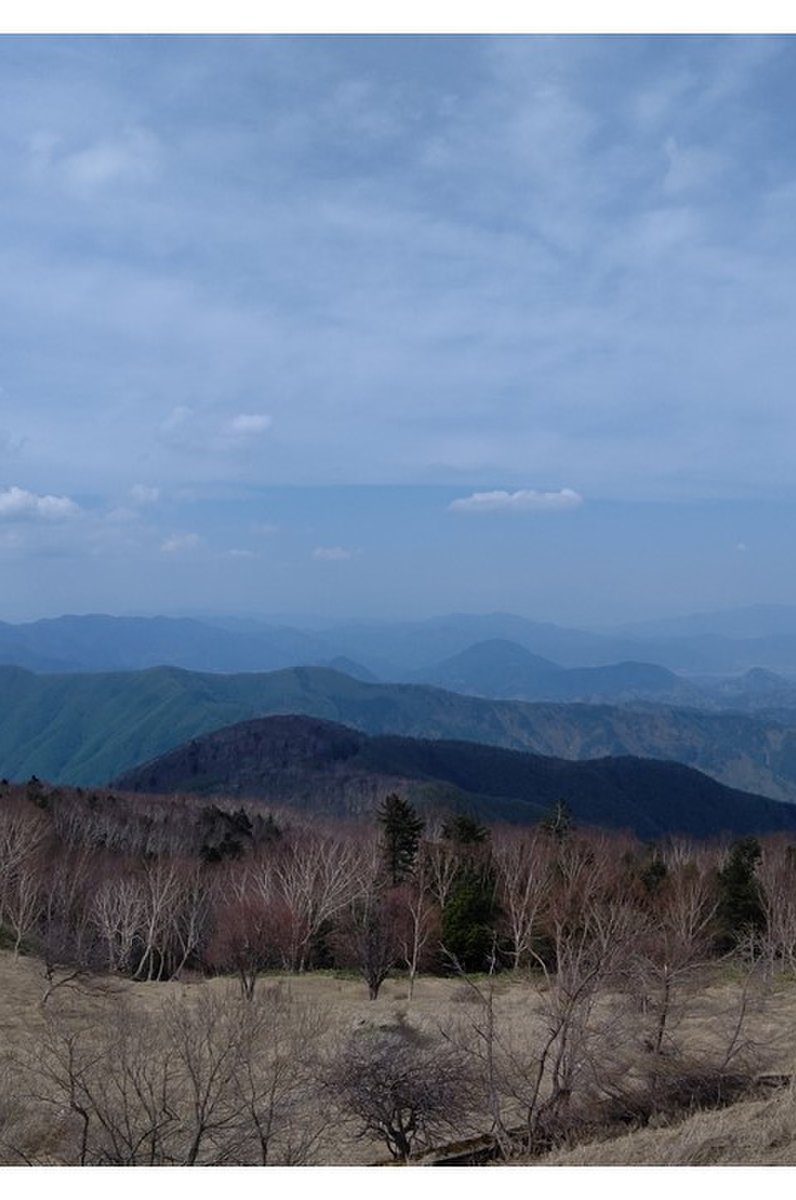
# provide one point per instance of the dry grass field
(751, 1132)
(337, 1007)
(758, 1133)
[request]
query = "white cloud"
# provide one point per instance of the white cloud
(524, 500)
(742, 547)
(333, 553)
(140, 493)
(16, 504)
(236, 553)
(249, 424)
(572, 196)
(265, 528)
(179, 542)
(131, 155)
(203, 430)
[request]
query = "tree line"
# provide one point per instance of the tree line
(154, 888)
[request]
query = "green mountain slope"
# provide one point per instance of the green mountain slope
(86, 729)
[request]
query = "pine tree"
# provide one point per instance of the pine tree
(464, 830)
(402, 830)
(740, 910)
(470, 916)
(558, 822)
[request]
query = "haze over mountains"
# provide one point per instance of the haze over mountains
(505, 670)
(397, 651)
(750, 622)
(104, 643)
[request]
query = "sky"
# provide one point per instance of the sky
(394, 326)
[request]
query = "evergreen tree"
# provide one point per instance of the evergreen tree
(653, 873)
(402, 830)
(470, 913)
(470, 916)
(464, 831)
(740, 910)
(558, 822)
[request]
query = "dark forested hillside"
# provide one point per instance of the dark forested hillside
(327, 767)
(85, 729)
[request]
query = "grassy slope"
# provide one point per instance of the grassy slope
(754, 1133)
(759, 1133)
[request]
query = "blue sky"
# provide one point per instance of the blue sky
(397, 324)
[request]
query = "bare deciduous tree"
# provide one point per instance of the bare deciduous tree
(242, 940)
(673, 942)
(420, 926)
(777, 875)
(403, 1091)
(442, 863)
(370, 937)
(523, 864)
(24, 831)
(317, 878)
(118, 911)
(215, 1081)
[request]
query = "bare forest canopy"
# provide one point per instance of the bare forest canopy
(152, 886)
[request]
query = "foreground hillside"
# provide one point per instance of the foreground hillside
(759, 1133)
(297, 761)
(553, 984)
(315, 1016)
(85, 729)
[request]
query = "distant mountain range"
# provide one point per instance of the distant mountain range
(403, 651)
(101, 643)
(86, 729)
(504, 670)
(750, 622)
(328, 768)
